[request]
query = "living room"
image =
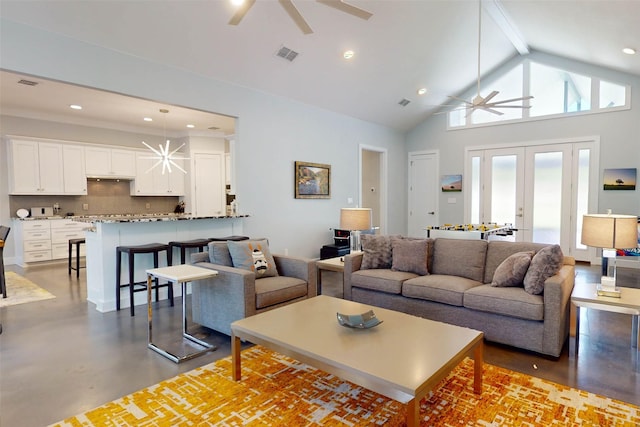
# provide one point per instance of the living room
(275, 131)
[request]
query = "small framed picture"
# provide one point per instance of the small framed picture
(312, 180)
(451, 183)
(620, 179)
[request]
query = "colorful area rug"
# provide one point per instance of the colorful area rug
(278, 391)
(21, 290)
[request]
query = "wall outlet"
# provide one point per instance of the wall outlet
(85, 206)
(148, 205)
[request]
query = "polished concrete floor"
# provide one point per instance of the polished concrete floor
(60, 357)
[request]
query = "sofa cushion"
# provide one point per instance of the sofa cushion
(253, 255)
(377, 251)
(512, 270)
(410, 255)
(383, 280)
(439, 288)
(498, 251)
(275, 290)
(219, 254)
(463, 258)
(544, 264)
(514, 302)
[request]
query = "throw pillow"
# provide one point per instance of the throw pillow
(544, 264)
(219, 254)
(253, 255)
(410, 256)
(512, 270)
(377, 251)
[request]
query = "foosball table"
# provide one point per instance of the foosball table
(471, 231)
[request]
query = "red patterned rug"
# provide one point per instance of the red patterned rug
(278, 391)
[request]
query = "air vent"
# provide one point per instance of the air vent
(27, 82)
(404, 102)
(286, 53)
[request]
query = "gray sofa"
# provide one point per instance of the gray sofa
(236, 293)
(456, 290)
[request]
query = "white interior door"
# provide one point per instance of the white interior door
(503, 190)
(423, 192)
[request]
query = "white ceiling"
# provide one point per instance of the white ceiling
(407, 44)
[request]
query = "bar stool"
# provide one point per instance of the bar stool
(224, 239)
(77, 243)
(152, 248)
(200, 244)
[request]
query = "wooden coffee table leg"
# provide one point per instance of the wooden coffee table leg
(478, 355)
(413, 413)
(236, 370)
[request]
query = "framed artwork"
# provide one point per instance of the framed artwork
(312, 180)
(620, 179)
(451, 183)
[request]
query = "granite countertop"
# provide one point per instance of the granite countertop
(134, 217)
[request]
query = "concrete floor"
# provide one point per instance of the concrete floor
(60, 357)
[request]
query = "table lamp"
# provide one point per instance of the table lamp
(609, 232)
(355, 220)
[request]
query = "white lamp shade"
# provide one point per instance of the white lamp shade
(610, 231)
(355, 219)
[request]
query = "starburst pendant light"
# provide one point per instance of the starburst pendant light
(164, 156)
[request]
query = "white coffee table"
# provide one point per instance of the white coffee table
(179, 274)
(628, 303)
(403, 358)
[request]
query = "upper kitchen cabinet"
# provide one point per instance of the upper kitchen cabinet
(74, 175)
(35, 167)
(150, 181)
(105, 162)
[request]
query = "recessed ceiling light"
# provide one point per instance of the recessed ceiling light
(148, 119)
(629, 50)
(237, 2)
(422, 91)
(191, 126)
(75, 107)
(348, 54)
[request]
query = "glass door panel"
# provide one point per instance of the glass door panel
(547, 197)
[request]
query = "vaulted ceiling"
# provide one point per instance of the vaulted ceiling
(404, 46)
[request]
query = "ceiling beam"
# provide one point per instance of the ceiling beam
(496, 10)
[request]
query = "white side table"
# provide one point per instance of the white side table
(179, 274)
(330, 264)
(628, 303)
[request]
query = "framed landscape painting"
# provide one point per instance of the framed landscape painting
(620, 179)
(312, 180)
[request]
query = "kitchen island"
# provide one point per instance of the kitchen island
(108, 232)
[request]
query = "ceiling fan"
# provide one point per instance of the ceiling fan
(297, 17)
(485, 103)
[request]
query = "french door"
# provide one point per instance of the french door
(541, 189)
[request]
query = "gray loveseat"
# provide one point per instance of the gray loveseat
(456, 289)
(236, 293)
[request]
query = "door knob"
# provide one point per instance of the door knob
(431, 213)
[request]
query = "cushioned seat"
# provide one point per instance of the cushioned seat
(513, 302)
(383, 280)
(435, 287)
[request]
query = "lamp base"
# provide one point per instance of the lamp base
(606, 291)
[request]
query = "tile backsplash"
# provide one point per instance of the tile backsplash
(104, 197)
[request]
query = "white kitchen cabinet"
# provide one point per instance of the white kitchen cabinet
(75, 178)
(152, 182)
(106, 162)
(62, 230)
(46, 239)
(35, 168)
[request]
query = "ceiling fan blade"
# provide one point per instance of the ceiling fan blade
(242, 10)
(508, 106)
(296, 16)
(512, 100)
(489, 97)
(491, 110)
(347, 8)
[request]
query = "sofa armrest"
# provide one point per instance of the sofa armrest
(352, 262)
(300, 268)
(224, 298)
(199, 257)
(557, 296)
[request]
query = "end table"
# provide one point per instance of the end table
(179, 274)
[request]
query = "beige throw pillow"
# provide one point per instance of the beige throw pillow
(546, 263)
(377, 251)
(410, 256)
(512, 270)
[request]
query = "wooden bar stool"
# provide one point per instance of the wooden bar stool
(77, 243)
(152, 248)
(199, 244)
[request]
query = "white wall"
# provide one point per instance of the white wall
(271, 133)
(619, 139)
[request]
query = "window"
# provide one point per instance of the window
(555, 91)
